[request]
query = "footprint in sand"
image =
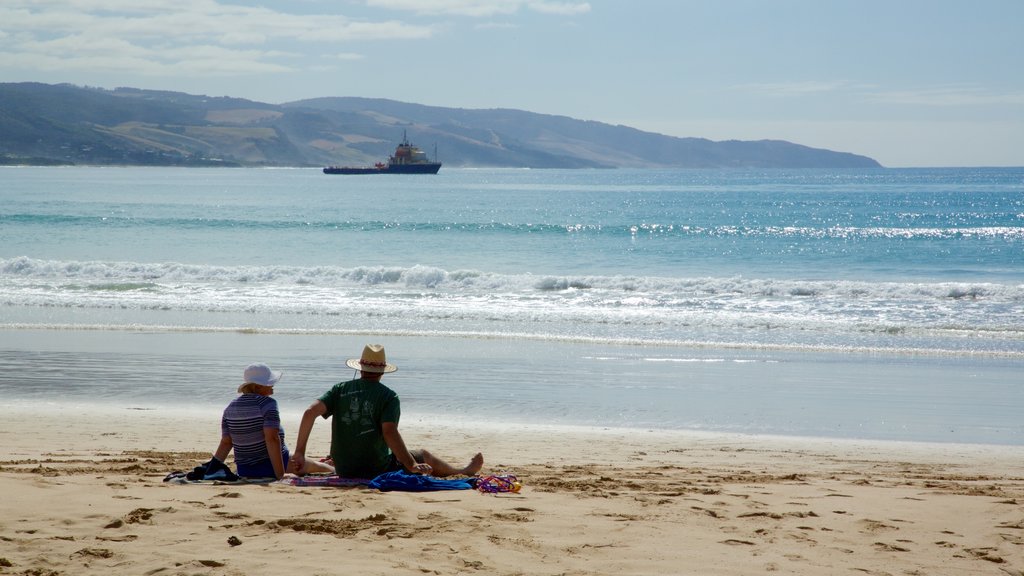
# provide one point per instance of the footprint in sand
(228, 495)
(138, 516)
(94, 553)
(125, 538)
(890, 547)
(872, 526)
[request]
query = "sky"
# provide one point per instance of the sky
(910, 83)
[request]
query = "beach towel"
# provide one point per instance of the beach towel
(406, 482)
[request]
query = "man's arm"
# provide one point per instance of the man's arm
(393, 438)
(315, 410)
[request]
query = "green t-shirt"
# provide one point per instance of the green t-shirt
(357, 408)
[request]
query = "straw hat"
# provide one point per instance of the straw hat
(373, 360)
(260, 374)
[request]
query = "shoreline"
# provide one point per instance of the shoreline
(99, 414)
(803, 395)
(752, 346)
(594, 501)
(209, 415)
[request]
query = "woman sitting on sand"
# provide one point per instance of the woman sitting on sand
(251, 425)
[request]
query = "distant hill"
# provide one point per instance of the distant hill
(64, 124)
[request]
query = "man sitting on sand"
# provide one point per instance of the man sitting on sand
(365, 441)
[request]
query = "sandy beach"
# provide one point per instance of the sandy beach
(83, 493)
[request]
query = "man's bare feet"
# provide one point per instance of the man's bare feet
(474, 465)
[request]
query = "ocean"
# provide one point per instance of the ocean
(883, 304)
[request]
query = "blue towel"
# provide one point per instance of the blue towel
(417, 483)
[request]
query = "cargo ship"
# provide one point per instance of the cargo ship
(407, 159)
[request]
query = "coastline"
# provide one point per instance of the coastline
(594, 501)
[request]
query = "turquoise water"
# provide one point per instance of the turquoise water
(872, 303)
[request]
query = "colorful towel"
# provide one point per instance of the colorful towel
(324, 481)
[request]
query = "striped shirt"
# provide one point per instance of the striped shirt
(244, 420)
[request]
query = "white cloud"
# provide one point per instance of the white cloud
(474, 8)
(480, 8)
(238, 37)
(115, 55)
(948, 96)
(346, 56)
(562, 8)
(315, 29)
(204, 19)
(941, 96)
(789, 89)
(187, 37)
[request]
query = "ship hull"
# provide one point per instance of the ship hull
(424, 168)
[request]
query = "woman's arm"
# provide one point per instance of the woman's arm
(223, 449)
(273, 439)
